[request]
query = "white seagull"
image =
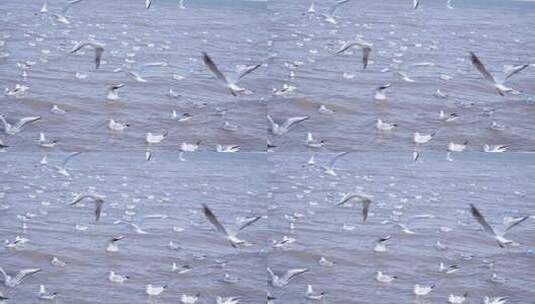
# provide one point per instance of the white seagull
(230, 84)
(112, 92)
(366, 50)
(62, 169)
(499, 84)
(283, 280)
(364, 199)
(44, 295)
(498, 236)
(380, 92)
(98, 47)
(231, 236)
(98, 200)
(330, 168)
(329, 16)
(10, 281)
(283, 128)
(10, 129)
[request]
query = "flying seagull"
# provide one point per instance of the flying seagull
(498, 84)
(98, 47)
(231, 236)
(230, 84)
(415, 4)
(329, 16)
(366, 49)
(499, 237)
(10, 281)
(62, 169)
(283, 280)
(97, 199)
(62, 17)
(363, 199)
(330, 168)
(283, 128)
(148, 3)
(10, 129)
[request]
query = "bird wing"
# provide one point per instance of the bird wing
(69, 158)
(4, 122)
(294, 272)
(249, 70)
(78, 46)
(3, 272)
(68, 6)
(294, 120)
(481, 68)
(520, 220)
(98, 56)
(347, 46)
(481, 220)
(365, 207)
(415, 4)
(79, 198)
(515, 70)
(335, 6)
(148, 3)
(336, 157)
(213, 219)
(98, 208)
(249, 222)
(26, 120)
(365, 55)
(26, 272)
(346, 198)
(383, 87)
(213, 68)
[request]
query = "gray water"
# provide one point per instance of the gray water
(431, 196)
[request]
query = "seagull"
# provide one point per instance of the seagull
(137, 77)
(384, 126)
(44, 295)
(229, 300)
(366, 49)
(379, 92)
(187, 147)
(10, 281)
(455, 147)
(154, 290)
(187, 299)
(422, 138)
(43, 142)
(281, 281)
(112, 247)
(10, 129)
(495, 300)
(383, 278)
(415, 4)
(62, 169)
(44, 8)
(329, 16)
(449, 5)
(312, 8)
(494, 148)
(281, 129)
(112, 92)
(230, 84)
(380, 244)
(311, 143)
(137, 226)
(154, 138)
(422, 290)
(499, 237)
(98, 47)
(117, 126)
(448, 118)
(311, 295)
(63, 16)
(454, 299)
(330, 169)
(231, 236)
(365, 200)
(148, 3)
(404, 76)
(117, 278)
(98, 199)
(227, 148)
(448, 270)
(181, 4)
(498, 84)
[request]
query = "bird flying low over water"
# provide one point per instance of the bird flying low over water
(366, 201)
(10, 129)
(98, 47)
(498, 84)
(230, 84)
(10, 281)
(329, 16)
(499, 237)
(366, 50)
(98, 200)
(231, 236)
